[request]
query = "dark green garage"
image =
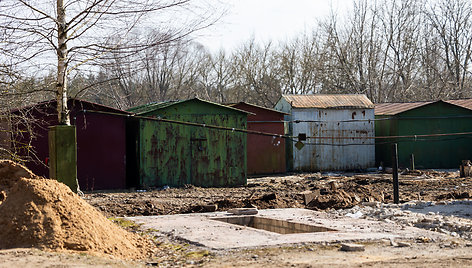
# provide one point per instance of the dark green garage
(424, 118)
(175, 154)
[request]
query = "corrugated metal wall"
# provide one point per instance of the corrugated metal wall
(101, 151)
(265, 155)
(101, 143)
(329, 157)
(175, 155)
(283, 106)
(164, 154)
(429, 152)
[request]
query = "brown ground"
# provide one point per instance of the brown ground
(287, 191)
(45, 214)
(320, 191)
(376, 254)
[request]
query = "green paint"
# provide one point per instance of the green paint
(299, 145)
(430, 152)
(175, 155)
(63, 155)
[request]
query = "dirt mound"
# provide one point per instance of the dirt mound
(10, 172)
(43, 213)
(350, 194)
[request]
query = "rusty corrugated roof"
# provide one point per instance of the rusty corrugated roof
(257, 106)
(394, 108)
(400, 107)
(329, 101)
(464, 103)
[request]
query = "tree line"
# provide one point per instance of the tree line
(390, 50)
(47, 45)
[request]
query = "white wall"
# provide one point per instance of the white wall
(327, 157)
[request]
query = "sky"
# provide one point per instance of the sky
(264, 20)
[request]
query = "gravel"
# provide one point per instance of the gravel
(449, 217)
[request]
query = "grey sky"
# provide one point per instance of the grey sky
(265, 20)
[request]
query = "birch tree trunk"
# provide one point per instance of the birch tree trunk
(61, 86)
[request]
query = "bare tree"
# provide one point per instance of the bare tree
(401, 27)
(299, 64)
(255, 74)
(451, 21)
(77, 33)
(16, 126)
(377, 51)
(216, 76)
(353, 52)
(391, 50)
(431, 84)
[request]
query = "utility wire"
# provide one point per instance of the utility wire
(412, 137)
(194, 124)
(382, 143)
(365, 120)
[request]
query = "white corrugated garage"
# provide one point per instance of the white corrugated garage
(327, 120)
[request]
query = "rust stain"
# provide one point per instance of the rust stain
(329, 101)
(396, 108)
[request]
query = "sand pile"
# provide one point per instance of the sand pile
(10, 172)
(43, 213)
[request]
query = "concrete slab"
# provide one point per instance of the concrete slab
(200, 229)
(456, 208)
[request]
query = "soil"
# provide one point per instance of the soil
(329, 191)
(56, 215)
(45, 214)
(376, 254)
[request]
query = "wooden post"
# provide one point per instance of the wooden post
(465, 169)
(63, 155)
(412, 161)
(396, 198)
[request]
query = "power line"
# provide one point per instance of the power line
(281, 135)
(365, 120)
(381, 143)
(194, 124)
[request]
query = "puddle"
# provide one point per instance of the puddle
(273, 225)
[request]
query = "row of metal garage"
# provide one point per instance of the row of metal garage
(212, 145)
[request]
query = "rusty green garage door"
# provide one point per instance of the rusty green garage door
(175, 155)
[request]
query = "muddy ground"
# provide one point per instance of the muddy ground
(376, 254)
(314, 191)
(318, 191)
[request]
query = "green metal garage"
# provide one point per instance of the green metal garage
(424, 118)
(178, 154)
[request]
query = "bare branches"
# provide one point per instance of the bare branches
(35, 9)
(450, 21)
(389, 50)
(139, 51)
(75, 33)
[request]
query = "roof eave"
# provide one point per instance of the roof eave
(183, 101)
(257, 106)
